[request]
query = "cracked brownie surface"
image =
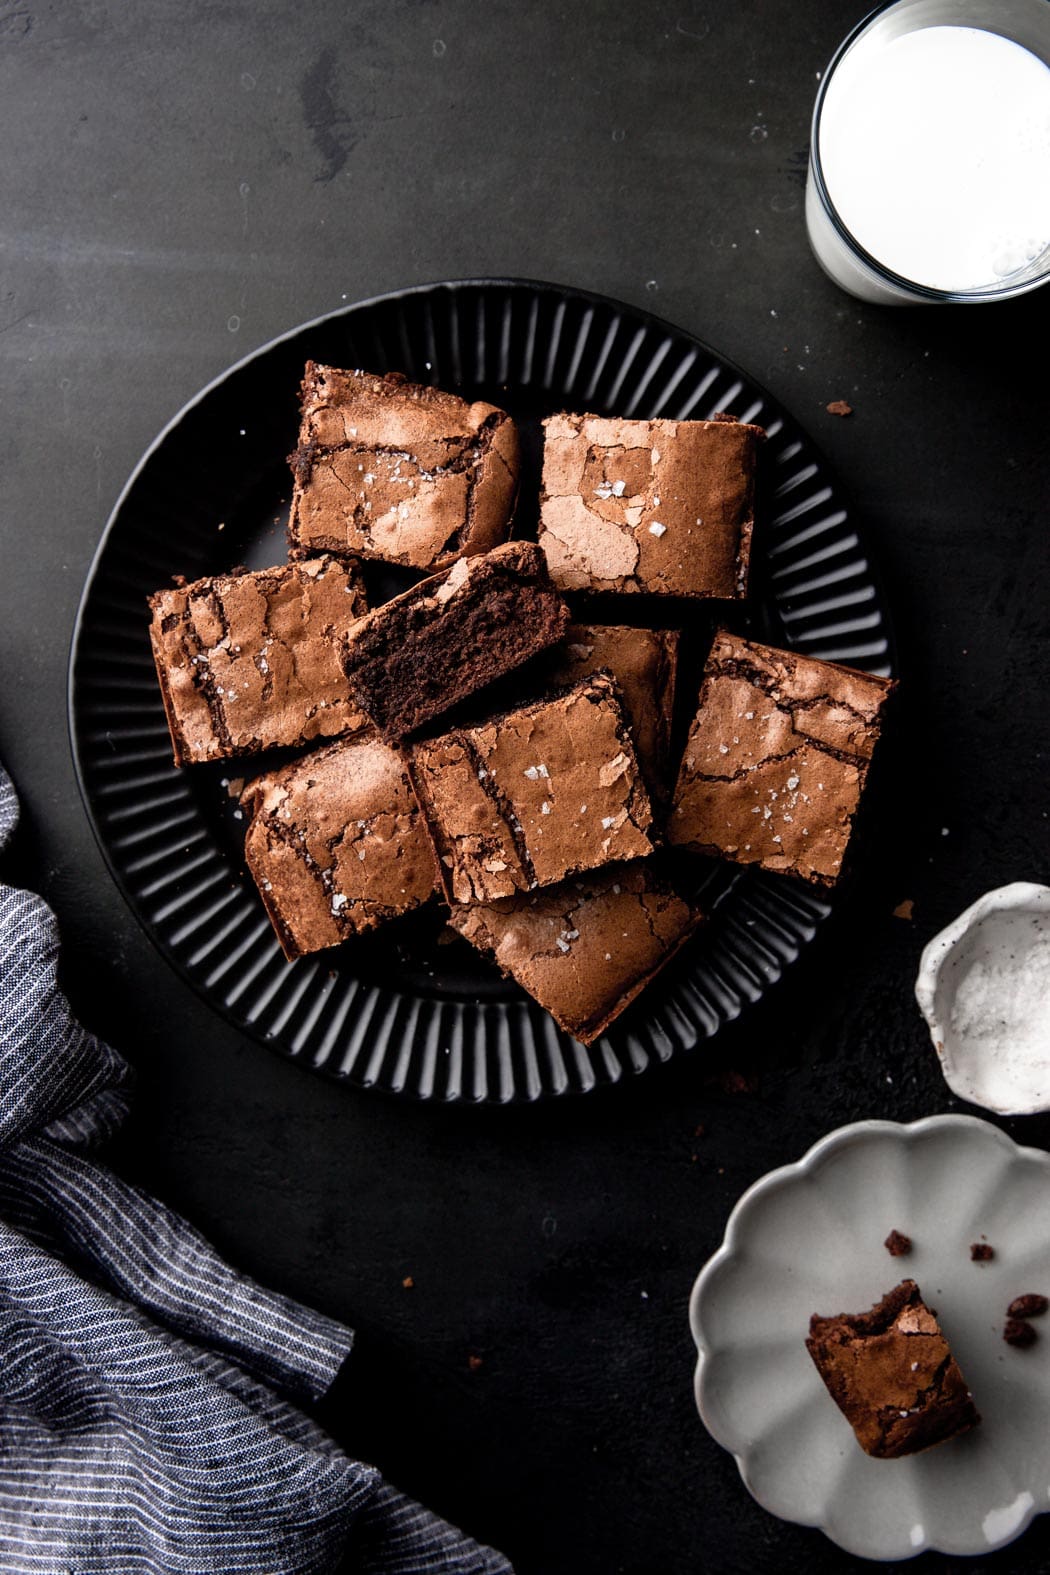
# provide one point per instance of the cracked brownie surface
(643, 662)
(892, 1374)
(336, 844)
(527, 798)
(776, 759)
(398, 471)
(421, 653)
(250, 661)
(585, 948)
(664, 507)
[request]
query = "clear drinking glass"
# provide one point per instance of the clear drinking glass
(858, 267)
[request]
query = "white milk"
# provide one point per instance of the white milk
(935, 151)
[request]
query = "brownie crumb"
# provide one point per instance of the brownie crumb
(1031, 1305)
(408, 1283)
(839, 407)
(474, 1362)
(980, 1251)
(731, 1081)
(1017, 1332)
(904, 909)
(897, 1244)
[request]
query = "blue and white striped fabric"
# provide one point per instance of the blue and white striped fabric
(148, 1423)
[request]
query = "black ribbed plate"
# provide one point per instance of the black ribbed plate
(402, 1010)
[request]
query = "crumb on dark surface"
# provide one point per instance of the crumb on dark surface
(474, 1362)
(904, 909)
(839, 407)
(1032, 1305)
(981, 1252)
(731, 1081)
(897, 1244)
(408, 1283)
(1017, 1332)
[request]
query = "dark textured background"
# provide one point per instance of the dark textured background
(180, 183)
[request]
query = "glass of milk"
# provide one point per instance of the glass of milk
(929, 172)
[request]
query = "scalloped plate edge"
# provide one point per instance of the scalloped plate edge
(773, 1181)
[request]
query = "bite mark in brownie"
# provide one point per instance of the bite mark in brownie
(665, 507)
(776, 759)
(336, 844)
(892, 1374)
(530, 797)
(585, 948)
(399, 471)
(429, 648)
(643, 663)
(250, 661)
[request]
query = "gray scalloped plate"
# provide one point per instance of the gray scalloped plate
(403, 1011)
(809, 1238)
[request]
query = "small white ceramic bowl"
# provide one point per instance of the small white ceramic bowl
(984, 989)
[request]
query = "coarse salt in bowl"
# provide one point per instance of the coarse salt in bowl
(984, 989)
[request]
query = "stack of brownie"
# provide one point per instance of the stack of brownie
(467, 741)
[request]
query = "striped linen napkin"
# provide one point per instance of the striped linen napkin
(148, 1416)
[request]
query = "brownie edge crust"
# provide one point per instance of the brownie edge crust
(892, 1374)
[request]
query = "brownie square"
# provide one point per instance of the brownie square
(776, 759)
(891, 1373)
(432, 646)
(393, 470)
(585, 948)
(250, 661)
(537, 794)
(665, 507)
(336, 844)
(644, 663)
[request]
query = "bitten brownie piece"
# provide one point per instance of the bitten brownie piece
(250, 661)
(336, 844)
(656, 506)
(527, 798)
(585, 948)
(416, 656)
(643, 663)
(393, 470)
(776, 759)
(891, 1373)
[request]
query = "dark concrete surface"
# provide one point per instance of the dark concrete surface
(180, 183)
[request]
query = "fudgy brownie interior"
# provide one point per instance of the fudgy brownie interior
(418, 655)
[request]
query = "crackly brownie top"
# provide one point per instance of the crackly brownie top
(336, 843)
(656, 506)
(399, 471)
(776, 757)
(536, 794)
(585, 948)
(643, 663)
(892, 1373)
(250, 661)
